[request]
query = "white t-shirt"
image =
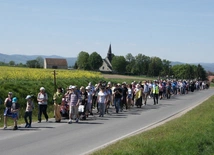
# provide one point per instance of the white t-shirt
(102, 97)
(42, 97)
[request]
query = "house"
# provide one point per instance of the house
(106, 66)
(55, 63)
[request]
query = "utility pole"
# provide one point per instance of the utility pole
(54, 73)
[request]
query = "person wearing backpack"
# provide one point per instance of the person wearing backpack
(42, 99)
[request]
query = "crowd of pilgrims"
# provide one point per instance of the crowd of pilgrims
(78, 103)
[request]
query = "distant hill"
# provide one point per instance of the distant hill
(24, 58)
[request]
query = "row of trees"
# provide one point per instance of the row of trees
(142, 65)
(37, 63)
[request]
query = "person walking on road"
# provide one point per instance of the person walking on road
(145, 92)
(117, 97)
(42, 99)
(102, 100)
(155, 90)
(74, 101)
(28, 111)
(15, 112)
(57, 98)
(7, 111)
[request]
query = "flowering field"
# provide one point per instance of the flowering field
(16, 73)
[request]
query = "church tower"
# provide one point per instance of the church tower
(109, 55)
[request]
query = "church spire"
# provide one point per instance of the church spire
(109, 55)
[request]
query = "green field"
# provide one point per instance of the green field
(190, 134)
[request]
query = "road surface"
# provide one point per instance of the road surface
(86, 136)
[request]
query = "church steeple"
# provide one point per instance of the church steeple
(109, 55)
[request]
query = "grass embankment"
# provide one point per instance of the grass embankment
(190, 134)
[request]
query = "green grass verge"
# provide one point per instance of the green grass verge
(190, 134)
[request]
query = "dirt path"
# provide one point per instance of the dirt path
(115, 76)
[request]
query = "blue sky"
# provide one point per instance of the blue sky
(176, 30)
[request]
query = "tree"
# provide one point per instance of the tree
(130, 57)
(130, 62)
(166, 69)
(82, 60)
(33, 64)
(201, 73)
(119, 64)
(40, 60)
(155, 66)
(95, 61)
(12, 63)
(75, 65)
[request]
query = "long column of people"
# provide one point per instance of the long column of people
(76, 104)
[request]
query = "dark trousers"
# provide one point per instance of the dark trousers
(155, 97)
(117, 104)
(42, 110)
(123, 102)
(28, 114)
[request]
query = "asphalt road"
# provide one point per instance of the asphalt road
(83, 137)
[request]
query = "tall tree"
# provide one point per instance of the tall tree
(119, 64)
(130, 62)
(201, 72)
(155, 66)
(95, 61)
(82, 60)
(166, 69)
(40, 60)
(129, 57)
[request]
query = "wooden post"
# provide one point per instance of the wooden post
(54, 73)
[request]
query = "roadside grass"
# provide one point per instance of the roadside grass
(211, 84)
(190, 134)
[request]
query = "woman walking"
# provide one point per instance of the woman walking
(102, 100)
(42, 99)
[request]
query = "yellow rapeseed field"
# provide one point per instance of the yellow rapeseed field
(17, 73)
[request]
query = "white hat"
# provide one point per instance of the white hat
(42, 88)
(88, 87)
(73, 87)
(28, 96)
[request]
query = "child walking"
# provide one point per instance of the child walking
(14, 111)
(28, 111)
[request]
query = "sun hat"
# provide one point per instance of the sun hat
(42, 88)
(73, 87)
(28, 96)
(14, 99)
